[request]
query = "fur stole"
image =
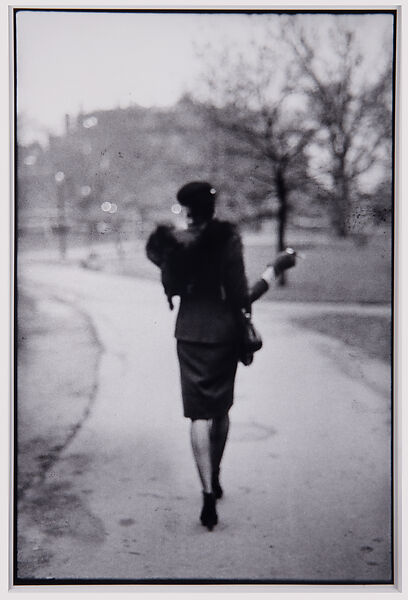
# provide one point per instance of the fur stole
(178, 252)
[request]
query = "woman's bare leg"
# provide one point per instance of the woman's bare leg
(200, 442)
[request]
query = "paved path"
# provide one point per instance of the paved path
(306, 471)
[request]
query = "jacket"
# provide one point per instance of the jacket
(205, 267)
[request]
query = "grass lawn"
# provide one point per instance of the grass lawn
(370, 333)
(333, 270)
(57, 363)
(338, 271)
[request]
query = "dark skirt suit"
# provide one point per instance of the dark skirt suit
(207, 374)
(207, 328)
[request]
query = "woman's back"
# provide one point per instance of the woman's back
(217, 287)
(204, 265)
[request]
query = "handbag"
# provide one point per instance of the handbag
(250, 339)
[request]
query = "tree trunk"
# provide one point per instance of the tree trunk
(340, 214)
(340, 208)
(281, 192)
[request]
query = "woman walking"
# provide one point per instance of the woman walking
(204, 265)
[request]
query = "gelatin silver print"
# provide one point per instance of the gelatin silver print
(203, 253)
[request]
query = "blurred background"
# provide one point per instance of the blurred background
(290, 116)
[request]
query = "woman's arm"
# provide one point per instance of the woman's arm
(259, 288)
(234, 278)
(284, 260)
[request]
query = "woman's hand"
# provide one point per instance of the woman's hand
(285, 260)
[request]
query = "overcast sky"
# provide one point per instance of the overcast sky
(67, 61)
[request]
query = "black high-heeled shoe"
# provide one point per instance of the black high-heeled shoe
(215, 484)
(208, 515)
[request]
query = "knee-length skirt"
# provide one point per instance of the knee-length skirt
(207, 374)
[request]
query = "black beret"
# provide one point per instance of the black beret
(196, 193)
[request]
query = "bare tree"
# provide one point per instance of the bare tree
(352, 114)
(261, 123)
